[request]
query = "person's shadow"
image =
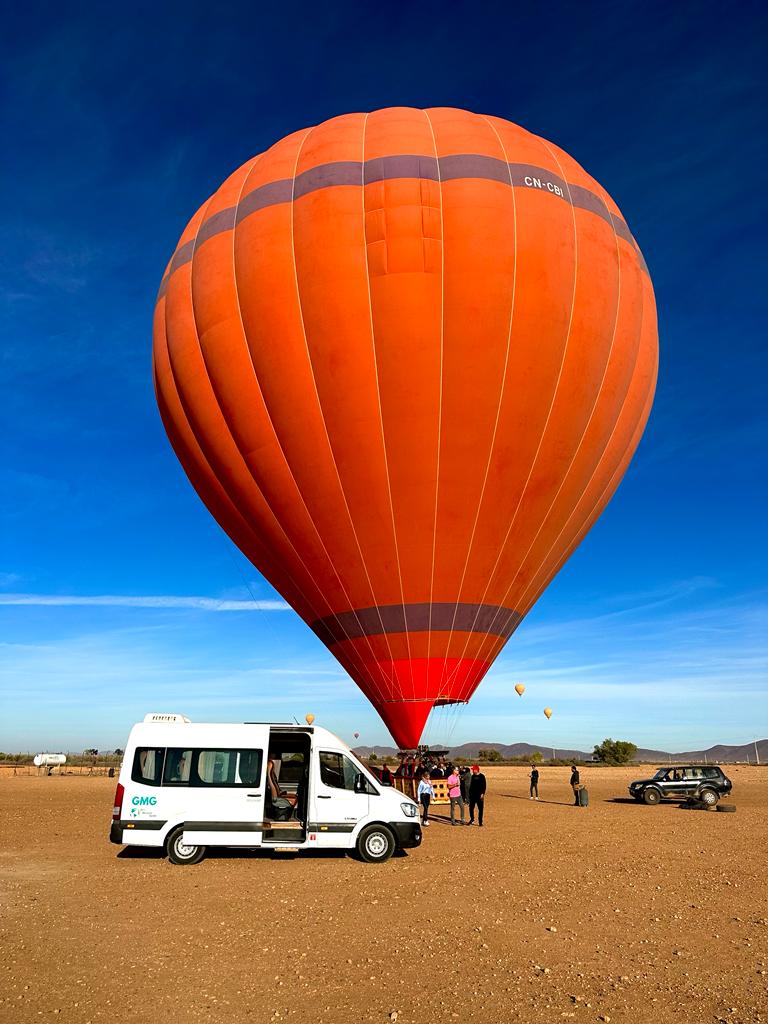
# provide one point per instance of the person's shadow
(541, 800)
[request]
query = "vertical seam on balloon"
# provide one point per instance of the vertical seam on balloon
(171, 427)
(221, 412)
(378, 399)
(501, 391)
(551, 404)
(595, 405)
(609, 490)
(322, 415)
(353, 654)
(584, 527)
(215, 399)
(440, 406)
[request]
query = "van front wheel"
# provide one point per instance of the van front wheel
(179, 852)
(375, 844)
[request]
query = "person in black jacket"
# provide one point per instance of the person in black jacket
(534, 782)
(477, 788)
(465, 776)
(575, 780)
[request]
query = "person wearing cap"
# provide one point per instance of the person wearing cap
(477, 788)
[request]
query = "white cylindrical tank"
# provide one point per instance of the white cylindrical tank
(46, 760)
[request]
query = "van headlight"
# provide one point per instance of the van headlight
(409, 809)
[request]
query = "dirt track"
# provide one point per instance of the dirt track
(616, 912)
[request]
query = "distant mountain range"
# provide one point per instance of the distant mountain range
(720, 752)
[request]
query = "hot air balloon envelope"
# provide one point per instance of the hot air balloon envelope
(309, 719)
(519, 689)
(548, 712)
(405, 358)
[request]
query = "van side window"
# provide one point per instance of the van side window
(203, 768)
(249, 768)
(337, 771)
(177, 767)
(148, 765)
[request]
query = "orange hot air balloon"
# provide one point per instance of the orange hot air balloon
(548, 712)
(309, 719)
(519, 689)
(405, 358)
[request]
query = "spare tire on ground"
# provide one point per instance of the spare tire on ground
(726, 808)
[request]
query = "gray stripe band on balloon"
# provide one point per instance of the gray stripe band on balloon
(417, 618)
(387, 168)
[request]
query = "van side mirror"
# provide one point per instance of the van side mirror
(361, 783)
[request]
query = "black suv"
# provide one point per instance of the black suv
(706, 783)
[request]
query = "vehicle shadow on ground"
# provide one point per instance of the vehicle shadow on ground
(234, 853)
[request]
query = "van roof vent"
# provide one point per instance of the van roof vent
(156, 716)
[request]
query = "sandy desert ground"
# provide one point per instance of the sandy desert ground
(617, 912)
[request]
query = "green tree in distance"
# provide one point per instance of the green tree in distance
(373, 756)
(615, 751)
(536, 757)
(489, 755)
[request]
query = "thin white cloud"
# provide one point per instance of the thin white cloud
(209, 604)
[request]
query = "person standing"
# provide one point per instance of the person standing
(386, 775)
(477, 788)
(453, 782)
(425, 792)
(534, 782)
(464, 776)
(575, 782)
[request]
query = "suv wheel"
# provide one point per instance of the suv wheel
(708, 797)
(651, 795)
(178, 851)
(375, 844)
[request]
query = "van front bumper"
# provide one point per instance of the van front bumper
(407, 833)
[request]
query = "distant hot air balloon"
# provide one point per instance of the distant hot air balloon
(309, 719)
(519, 689)
(405, 358)
(356, 735)
(548, 712)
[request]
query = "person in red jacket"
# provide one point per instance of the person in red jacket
(477, 788)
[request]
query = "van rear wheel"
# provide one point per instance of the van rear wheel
(181, 853)
(375, 844)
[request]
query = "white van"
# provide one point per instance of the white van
(185, 786)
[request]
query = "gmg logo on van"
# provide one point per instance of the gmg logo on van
(138, 803)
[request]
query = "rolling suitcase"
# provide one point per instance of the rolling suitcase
(583, 797)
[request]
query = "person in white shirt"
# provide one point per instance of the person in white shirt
(425, 792)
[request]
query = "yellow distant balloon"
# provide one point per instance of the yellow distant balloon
(548, 712)
(519, 689)
(309, 719)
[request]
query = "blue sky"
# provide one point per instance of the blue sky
(119, 595)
